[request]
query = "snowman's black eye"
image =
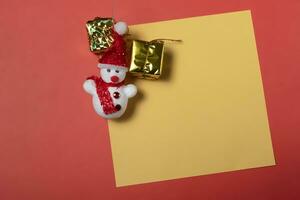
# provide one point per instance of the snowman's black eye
(108, 70)
(117, 71)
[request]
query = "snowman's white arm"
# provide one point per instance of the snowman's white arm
(90, 87)
(130, 90)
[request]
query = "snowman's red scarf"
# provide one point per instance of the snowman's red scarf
(104, 95)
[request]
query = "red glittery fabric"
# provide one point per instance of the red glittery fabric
(115, 55)
(104, 95)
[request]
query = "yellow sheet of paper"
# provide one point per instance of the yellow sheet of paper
(206, 114)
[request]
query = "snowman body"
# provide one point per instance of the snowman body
(119, 98)
(119, 95)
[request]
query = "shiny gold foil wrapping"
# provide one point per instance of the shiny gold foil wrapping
(146, 58)
(99, 33)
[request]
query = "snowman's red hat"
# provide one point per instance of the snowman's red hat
(115, 56)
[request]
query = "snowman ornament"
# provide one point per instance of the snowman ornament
(109, 93)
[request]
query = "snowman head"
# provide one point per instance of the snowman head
(112, 73)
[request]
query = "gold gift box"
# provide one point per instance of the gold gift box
(146, 58)
(99, 33)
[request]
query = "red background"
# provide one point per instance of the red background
(52, 144)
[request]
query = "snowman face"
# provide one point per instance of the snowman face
(113, 74)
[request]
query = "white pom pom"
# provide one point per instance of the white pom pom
(121, 28)
(90, 87)
(130, 90)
